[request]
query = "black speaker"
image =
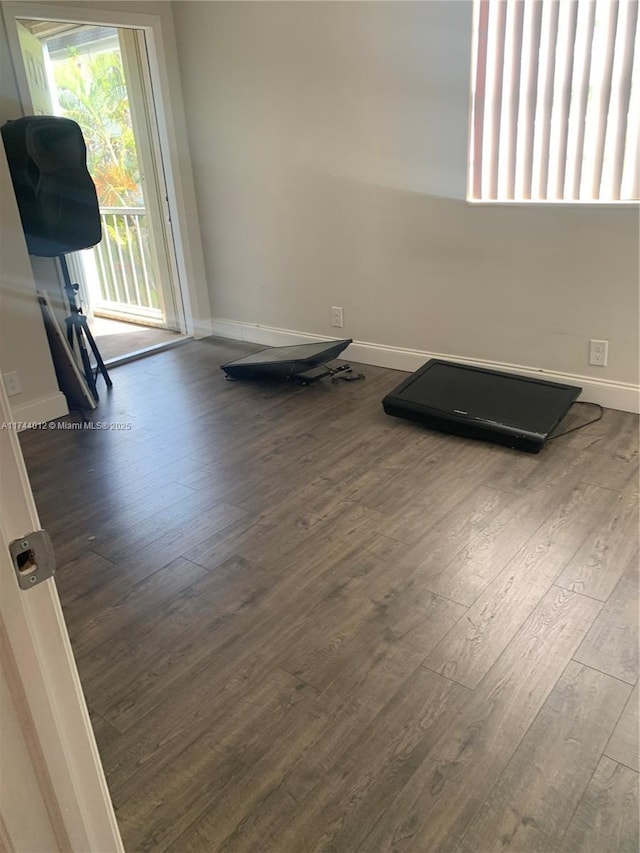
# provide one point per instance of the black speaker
(56, 197)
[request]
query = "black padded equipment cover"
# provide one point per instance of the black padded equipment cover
(56, 196)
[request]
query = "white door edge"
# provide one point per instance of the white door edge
(36, 640)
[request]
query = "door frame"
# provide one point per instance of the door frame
(181, 213)
(38, 665)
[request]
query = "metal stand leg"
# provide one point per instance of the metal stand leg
(96, 352)
(78, 330)
(74, 326)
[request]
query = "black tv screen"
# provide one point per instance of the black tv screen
(511, 409)
(284, 361)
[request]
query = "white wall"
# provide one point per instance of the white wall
(329, 146)
(23, 343)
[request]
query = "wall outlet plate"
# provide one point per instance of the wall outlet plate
(337, 317)
(598, 353)
(12, 383)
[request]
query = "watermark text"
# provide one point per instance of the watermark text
(113, 426)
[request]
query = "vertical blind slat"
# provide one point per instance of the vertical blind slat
(528, 97)
(491, 129)
(510, 95)
(630, 188)
(561, 97)
(542, 123)
(599, 97)
(583, 44)
(616, 121)
(479, 97)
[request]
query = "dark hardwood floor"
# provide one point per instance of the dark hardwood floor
(302, 625)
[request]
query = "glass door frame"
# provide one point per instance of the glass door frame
(179, 204)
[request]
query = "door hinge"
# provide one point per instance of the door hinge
(33, 558)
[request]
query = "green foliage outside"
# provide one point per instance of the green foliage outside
(92, 91)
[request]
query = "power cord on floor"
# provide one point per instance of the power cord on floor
(581, 426)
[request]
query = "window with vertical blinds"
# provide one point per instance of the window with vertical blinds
(556, 101)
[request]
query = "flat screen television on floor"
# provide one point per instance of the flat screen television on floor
(284, 362)
(517, 411)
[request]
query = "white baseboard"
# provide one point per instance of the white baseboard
(201, 329)
(623, 396)
(267, 335)
(43, 409)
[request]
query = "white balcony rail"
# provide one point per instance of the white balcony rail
(126, 281)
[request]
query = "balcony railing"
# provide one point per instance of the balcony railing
(124, 266)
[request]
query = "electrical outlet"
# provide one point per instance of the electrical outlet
(598, 353)
(12, 384)
(337, 318)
